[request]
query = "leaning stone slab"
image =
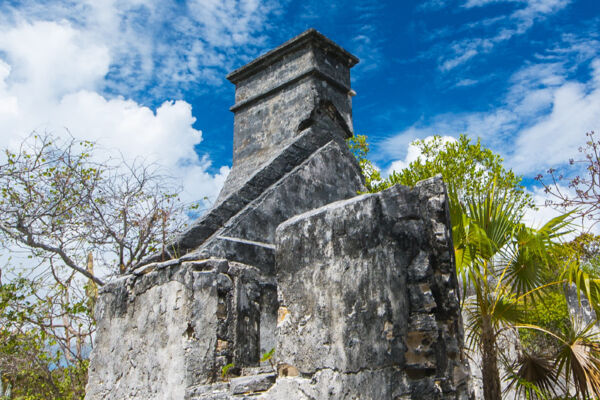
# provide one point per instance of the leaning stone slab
(301, 157)
(330, 174)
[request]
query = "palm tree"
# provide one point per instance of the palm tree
(503, 264)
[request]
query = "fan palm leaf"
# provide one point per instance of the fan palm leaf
(579, 358)
(535, 377)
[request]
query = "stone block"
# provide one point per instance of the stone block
(252, 384)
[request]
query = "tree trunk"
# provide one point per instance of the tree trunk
(489, 368)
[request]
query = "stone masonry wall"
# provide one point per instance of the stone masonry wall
(368, 300)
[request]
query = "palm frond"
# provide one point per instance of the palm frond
(584, 282)
(579, 359)
(504, 310)
(530, 256)
(534, 378)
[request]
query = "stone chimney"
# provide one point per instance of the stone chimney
(276, 92)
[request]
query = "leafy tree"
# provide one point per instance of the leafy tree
(59, 203)
(68, 209)
(467, 168)
(34, 362)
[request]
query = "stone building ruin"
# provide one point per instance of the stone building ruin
(357, 294)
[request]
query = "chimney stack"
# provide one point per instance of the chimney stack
(277, 91)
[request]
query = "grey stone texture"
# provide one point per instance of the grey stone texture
(175, 325)
(357, 294)
(367, 285)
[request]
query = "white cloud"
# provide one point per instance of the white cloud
(479, 3)
(556, 136)
(51, 79)
(432, 5)
(516, 23)
(413, 153)
(466, 82)
(160, 46)
(467, 54)
(53, 58)
(542, 118)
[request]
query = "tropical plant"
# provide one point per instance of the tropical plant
(575, 364)
(502, 264)
(533, 377)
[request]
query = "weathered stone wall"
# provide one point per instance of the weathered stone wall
(174, 325)
(357, 294)
(368, 301)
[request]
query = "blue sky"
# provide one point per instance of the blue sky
(147, 78)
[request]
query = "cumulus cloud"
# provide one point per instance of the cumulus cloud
(557, 135)
(78, 65)
(49, 76)
(160, 47)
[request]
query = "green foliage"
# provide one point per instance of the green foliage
(581, 257)
(360, 148)
(551, 313)
(62, 204)
(268, 355)
(467, 168)
(31, 361)
(225, 370)
(586, 249)
(506, 267)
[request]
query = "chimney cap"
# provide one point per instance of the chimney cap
(309, 36)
